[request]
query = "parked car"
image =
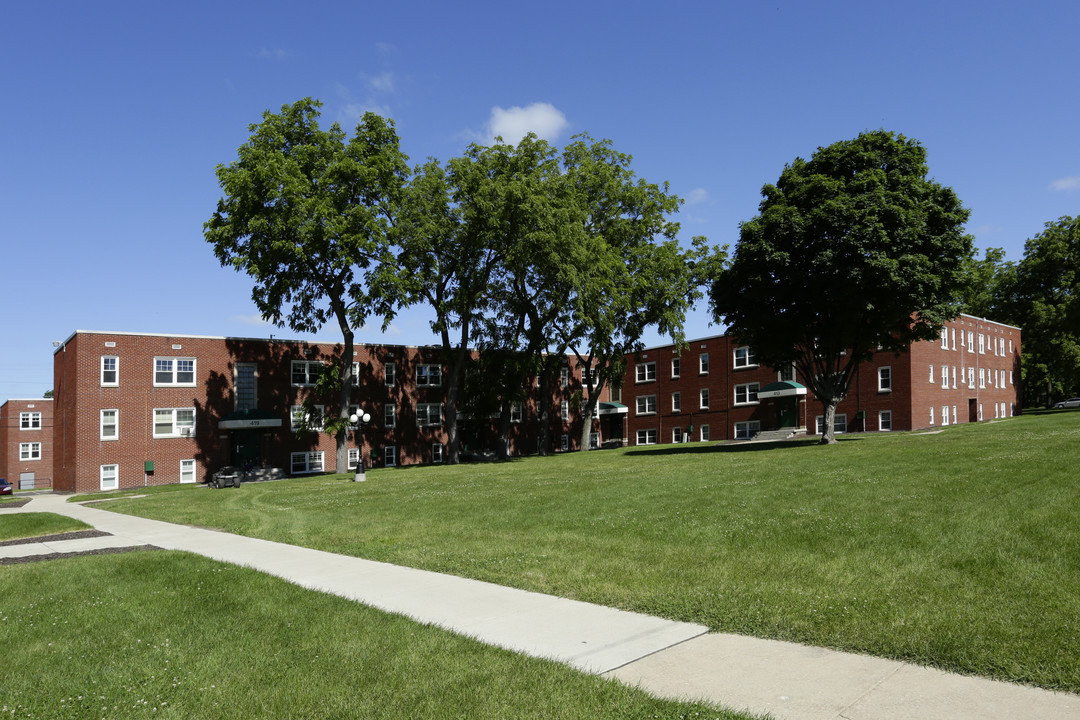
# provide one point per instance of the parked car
(225, 477)
(1070, 403)
(6, 488)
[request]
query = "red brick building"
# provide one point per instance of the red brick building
(26, 428)
(714, 388)
(148, 409)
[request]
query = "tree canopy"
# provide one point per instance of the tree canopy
(853, 250)
(307, 215)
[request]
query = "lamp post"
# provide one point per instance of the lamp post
(358, 419)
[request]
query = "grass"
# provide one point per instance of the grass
(173, 635)
(959, 549)
(16, 526)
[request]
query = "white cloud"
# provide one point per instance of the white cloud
(256, 319)
(275, 54)
(697, 196)
(1066, 183)
(382, 83)
(512, 124)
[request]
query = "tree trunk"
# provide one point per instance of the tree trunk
(341, 460)
(828, 432)
(587, 411)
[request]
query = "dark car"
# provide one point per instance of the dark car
(1070, 403)
(6, 488)
(226, 476)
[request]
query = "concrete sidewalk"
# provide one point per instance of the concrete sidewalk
(666, 658)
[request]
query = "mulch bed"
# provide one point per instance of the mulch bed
(58, 556)
(14, 503)
(73, 535)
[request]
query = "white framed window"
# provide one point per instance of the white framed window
(982, 377)
(389, 415)
(30, 421)
(676, 367)
(564, 444)
(745, 357)
(306, 462)
(436, 452)
(704, 430)
(517, 411)
(1002, 378)
(174, 371)
(932, 415)
(428, 414)
(955, 416)
(30, 451)
(429, 375)
(676, 402)
(952, 334)
(953, 377)
(884, 420)
(564, 376)
(564, 410)
(174, 422)
(306, 373)
(110, 477)
(944, 415)
(746, 430)
(245, 383)
(646, 404)
(971, 377)
(110, 427)
(982, 343)
(944, 338)
(944, 376)
(971, 341)
(703, 399)
(839, 424)
(187, 471)
(703, 364)
(390, 456)
(787, 374)
(746, 394)
(354, 458)
(389, 374)
(110, 373)
(594, 441)
(645, 372)
(931, 373)
(646, 437)
(300, 418)
(884, 379)
(676, 435)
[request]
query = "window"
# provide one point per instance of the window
(110, 477)
(390, 455)
(174, 422)
(676, 367)
(944, 376)
(747, 430)
(944, 415)
(884, 419)
(564, 376)
(646, 437)
(306, 462)
(429, 375)
(703, 399)
(746, 393)
(744, 357)
(306, 372)
(30, 420)
(517, 411)
(564, 444)
(932, 415)
(982, 377)
(304, 420)
(174, 371)
(676, 402)
(30, 451)
(436, 452)
(428, 414)
(590, 378)
(787, 374)
(110, 377)
(1002, 378)
(594, 441)
(884, 379)
(955, 417)
(564, 409)
(952, 333)
(704, 433)
(676, 435)
(971, 341)
(389, 374)
(971, 377)
(646, 372)
(944, 338)
(187, 471)
(703, 364)
(109, 428)
(839, 424)
(931, 373)
(246, 388)
(982, 343)
(389, 415)
(646, 405)
(354, 458)
(953, 377)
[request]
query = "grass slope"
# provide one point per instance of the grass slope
(959, 549)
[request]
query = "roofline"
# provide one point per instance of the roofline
(60, 346)
(988, 320)
(33, 400)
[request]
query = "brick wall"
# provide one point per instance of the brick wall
(26, 446)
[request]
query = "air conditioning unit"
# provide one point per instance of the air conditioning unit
(187, 432)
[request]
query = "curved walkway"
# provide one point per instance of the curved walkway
(667, 658)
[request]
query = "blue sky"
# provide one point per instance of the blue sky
(115, 115)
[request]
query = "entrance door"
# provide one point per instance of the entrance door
(786, 412)
(973, 410)
(246, 446)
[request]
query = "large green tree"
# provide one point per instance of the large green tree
(307, 214)
(1048, 296)
(853, 250)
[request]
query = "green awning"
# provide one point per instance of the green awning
(784, 388)
(612, 408)
(245, 419)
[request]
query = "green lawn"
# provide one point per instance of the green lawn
(15, 526)
(959, 549)
(173, 635)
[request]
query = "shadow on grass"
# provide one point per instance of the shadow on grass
(705, 448)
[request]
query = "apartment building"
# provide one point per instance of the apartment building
(26, 428)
